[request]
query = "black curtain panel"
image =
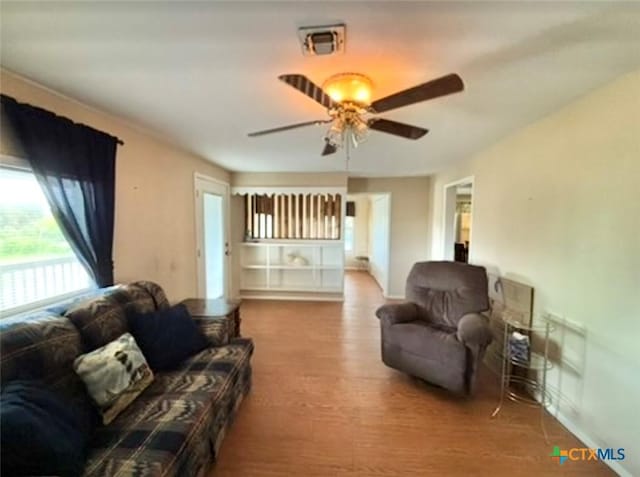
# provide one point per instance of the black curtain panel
(75, 166)
(351, 208)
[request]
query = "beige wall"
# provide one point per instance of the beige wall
(557, 206)
(155, 217)
(410, 211)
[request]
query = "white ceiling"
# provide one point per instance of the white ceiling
(205, 73)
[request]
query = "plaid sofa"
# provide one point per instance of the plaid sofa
(176, 426)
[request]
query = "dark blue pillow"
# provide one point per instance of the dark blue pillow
(166, 337)
(40, 433)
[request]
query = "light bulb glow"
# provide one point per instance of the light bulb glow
(349, 87)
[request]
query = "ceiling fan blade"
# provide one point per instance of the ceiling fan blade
(329, 149)
(396, 128)
(308, 87)
(291, 126)
(433, 89)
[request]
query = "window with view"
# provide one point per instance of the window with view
(349, 234)
(36, 262)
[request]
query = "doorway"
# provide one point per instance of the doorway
(212, 237)
(380, 223)
(367, 236)
(458, 216)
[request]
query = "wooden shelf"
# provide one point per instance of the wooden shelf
(265, 269)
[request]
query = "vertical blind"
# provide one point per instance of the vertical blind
(293, 216)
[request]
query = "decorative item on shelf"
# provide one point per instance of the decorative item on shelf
(295, 259)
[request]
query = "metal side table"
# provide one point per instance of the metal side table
(529, 385)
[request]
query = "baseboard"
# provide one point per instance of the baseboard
(574, 429)
(284, 297)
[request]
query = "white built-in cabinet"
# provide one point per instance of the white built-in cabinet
(308, 269)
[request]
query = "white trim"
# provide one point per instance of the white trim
(284, 297)
(394, 297)
(574, 429)
(44, 303)
(15, 162)
(287, 190)
(443, 244)
(204, 177)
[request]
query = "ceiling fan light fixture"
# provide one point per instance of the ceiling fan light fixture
(349, 88)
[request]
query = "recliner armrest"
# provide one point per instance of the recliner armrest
(398, 313)
(474, 330)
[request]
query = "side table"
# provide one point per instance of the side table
(219, 308)
(533, 383)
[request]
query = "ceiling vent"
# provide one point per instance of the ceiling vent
(322, 40)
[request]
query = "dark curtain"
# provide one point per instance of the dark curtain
(75, 166)
(351, 208)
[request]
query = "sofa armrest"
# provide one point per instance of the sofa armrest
(398, 313)
(215, 329)
(474, 330)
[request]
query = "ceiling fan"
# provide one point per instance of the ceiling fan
(347, 97)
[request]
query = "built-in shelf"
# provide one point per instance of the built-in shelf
(293, 267)
(269, 269)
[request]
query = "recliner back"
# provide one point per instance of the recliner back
(446, 291)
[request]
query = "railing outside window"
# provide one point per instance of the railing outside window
(34, 281)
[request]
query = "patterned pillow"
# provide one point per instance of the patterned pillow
(114, 374)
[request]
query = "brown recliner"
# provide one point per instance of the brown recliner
(439, 335)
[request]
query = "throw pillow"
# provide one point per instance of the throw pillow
(40, 433)
(114, 375)
(166, 337)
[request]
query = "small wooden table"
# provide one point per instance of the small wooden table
(220, 308)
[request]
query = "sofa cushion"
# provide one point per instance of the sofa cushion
(154, 291)
(166, 337)
(41, 434)
(41, 347)
(114, 374)
(176, 425)
(102, 320)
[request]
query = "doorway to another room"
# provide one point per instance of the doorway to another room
(367, 236)
(458, 214)
(212, 228)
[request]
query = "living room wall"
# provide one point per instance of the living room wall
(557, 206)
(409, 222)
(155, 216)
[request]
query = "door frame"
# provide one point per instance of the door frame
(448, 225)
(201, 278)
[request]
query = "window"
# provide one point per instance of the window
(293, 216)
(36, 262)
(349, 238)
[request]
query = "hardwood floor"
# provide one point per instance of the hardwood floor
(323, 404)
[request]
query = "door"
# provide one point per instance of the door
(212, 237)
